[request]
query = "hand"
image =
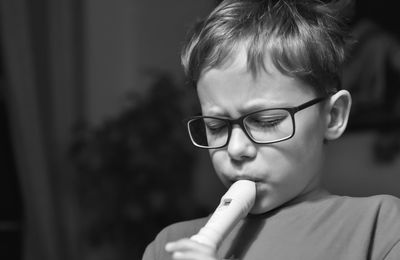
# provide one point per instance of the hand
(187, 249)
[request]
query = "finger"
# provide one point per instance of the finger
(186, 244)
(190, 255)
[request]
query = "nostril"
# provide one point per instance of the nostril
(237, 164)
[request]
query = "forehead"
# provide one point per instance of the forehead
(233, 86)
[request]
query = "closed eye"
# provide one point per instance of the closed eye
(215, 125)
(265, 121)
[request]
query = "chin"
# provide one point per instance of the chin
(267, 202)
(261, 208)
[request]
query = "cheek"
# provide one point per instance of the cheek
(221, 167)
(306, 152)
(302, 154)
(218, 159)
(309, 136)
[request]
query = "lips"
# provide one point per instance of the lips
(249, 178)
(230, 175)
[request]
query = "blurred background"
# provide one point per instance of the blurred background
(95, 160)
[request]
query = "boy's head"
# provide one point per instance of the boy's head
(267, 77)
(305, 39)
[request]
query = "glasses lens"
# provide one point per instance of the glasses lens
(208, 132)
(269, 125)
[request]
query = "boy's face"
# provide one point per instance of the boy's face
(284, 170)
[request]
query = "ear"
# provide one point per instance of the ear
(338, 110)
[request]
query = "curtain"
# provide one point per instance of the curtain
(41, 52)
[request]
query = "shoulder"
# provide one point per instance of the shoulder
(378, 218)
(183, 229)
(387, 232)
(374, 202)
(388, 204)
(376, 214)
(380, 204)
(377, 208)
(386, 209)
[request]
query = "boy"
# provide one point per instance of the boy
(267, 74)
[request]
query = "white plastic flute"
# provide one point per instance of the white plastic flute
(235, 204)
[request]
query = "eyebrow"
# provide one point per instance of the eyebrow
(257, 105)
(216, 112)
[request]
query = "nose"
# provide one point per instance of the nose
(240, 147)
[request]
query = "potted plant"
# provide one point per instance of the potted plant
(134, 174)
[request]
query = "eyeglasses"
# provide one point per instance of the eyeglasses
(265, 126)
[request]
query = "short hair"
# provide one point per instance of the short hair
(305, 39)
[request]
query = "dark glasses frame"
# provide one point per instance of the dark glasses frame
(240, 121)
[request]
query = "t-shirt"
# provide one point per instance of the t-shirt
(316, 226)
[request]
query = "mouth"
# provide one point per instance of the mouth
(256, 180)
